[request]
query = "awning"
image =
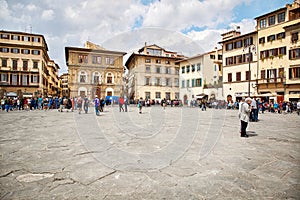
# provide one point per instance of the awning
(202, 95)
(11, 94)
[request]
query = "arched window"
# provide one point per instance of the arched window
(82, 77)
(96, 78)
(109, 78)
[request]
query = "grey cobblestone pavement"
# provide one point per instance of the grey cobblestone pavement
(177, 153)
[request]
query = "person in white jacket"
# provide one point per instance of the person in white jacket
(244, 115)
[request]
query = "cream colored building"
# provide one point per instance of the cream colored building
(94, 71)
(200, 74)
(153, 74)
(63, 85)
(237, 79)
(279, 53)
(25, 67)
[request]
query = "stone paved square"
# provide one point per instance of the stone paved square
(177, 153)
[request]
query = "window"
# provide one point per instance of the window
(199, 82)
(157, 95)
(229, 77)
(14, 80)
(147, 60)
(239, 44)
(158, 70)
(15, 37)
(220, 57)
(294, 37)
(294, 72)
(96, 60)
(229, 46)
(4, 36)
(82, 77)
(280, 36)
(238, 76)
(4, 62)
(35, 64)
(273, 52)
(26, 38)
(147, 95)
(158, 61)
(198, 67)
(281, 17)
(263, 23)
(229, 61)
(239, 59)
(15, 50)
(176, 82)
(35, 78)
(147, 80)
(271, 20)
(148, 69)
(35, 52)
(15, 65)
(109, 78)
(96, 78)
(212, 57)
(109, 61)
(155, 52)
(25, 51)
(168, 70)
(25, 65)
(248, 74)
(168, 82)
(282, 50)
(248, 41)
(271, 74)
(271, 38)
(294, 54)
(262, 74)
(193, 67)
(261, 40)
(167, 62)
(4, 78)
(82, 59)
(187, 69)
(187, 83)
(168, 95)
(215, 68)
(281, 72)
(176, 71)
(183, 69)
(25, 80)
(4, 50)
(157, 82)
(193, 82)
(183, 84)
(35, 39)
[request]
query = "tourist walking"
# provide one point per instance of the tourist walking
(86, 105)
(97, 104)
(79, 104)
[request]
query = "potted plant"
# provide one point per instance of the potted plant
(280, 56)
(271, 57)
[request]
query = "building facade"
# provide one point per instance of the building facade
(153, 74)
(201, 74)
(25, 68)
(279, 53)
(93, 70)
(239, 55)
(63, 85)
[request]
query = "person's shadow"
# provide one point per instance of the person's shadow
(252, 133)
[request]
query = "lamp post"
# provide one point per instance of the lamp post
(251, 48)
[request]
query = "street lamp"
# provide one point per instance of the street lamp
(251, 49)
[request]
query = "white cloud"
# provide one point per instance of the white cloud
(31, 7)
(4, 10)
(246, 25)
(48, 15)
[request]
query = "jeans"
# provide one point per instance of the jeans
(97, 111)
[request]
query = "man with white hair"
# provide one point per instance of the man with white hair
(244, 114)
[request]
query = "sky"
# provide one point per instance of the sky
(189, 27)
